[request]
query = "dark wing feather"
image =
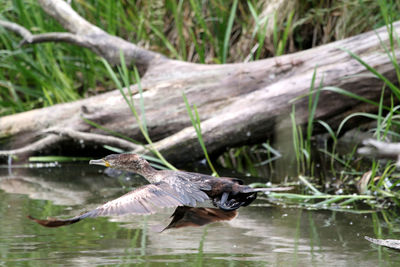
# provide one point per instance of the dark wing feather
(142, 200)
(189, 187)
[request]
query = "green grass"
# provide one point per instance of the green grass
(45, 74)
(303, 144)
(195, 119)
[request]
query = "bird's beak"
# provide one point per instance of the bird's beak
(101, 162)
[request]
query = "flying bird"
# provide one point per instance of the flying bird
(167, 188)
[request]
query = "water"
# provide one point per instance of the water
(261, 235)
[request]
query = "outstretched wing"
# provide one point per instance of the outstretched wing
(142, 200)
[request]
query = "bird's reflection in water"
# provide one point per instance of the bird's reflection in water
(190, 216)
(183, 216)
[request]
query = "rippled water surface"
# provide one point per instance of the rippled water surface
(261, 235)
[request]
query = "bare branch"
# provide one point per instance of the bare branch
(390, 243)
(56, 37)
(33, 148)
(377, 148)
(92, 137)
(61, 134)
(374, 147)
(68, 18)
(18, 29)
(29, 38)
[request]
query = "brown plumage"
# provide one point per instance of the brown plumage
(167, 188)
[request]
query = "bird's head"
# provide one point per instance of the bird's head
(126, 162)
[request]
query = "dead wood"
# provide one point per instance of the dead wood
(238, 103)
(390, 243)
(380, 149)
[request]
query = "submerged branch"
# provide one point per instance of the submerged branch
(34, 147)
(377, 148)
(390, 243)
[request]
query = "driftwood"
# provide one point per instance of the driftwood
(238, 103)
(380, 149)
(390, 243)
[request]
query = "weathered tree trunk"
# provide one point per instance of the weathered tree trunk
(238, 103)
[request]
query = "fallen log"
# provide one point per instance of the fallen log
(237, 103)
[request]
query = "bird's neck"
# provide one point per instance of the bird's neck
(148, 172)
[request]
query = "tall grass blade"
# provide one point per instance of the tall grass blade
(394, 88)
(261, 34)
(228, 31)
(195, 119)
(295, 137)
(379, 121)
(312, 107)
(141, 102)
(329, 129)
(165, 41)
(361, 114)
(282, 42)
(177, 13)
